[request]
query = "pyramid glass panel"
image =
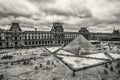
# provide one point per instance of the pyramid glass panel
(79, 63)
(80, 46)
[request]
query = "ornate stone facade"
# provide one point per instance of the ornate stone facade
(16, 38)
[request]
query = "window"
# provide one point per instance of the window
(20, 38)
(7, 44)
(15, 38)
(25, 43)
(42, 42)
(0, 43)
(45, 42)
(29, 43)
(36, 42)
(7, 38)
(39, 42)
(29, 37)
(35, 37)
(32, 37)
(33, 42)
(25, 37)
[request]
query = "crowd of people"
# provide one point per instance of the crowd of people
(108, 69)
(111, 68)
(108, 46)
(37, 61)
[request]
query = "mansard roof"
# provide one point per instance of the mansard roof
(57, 26)
(15, 27)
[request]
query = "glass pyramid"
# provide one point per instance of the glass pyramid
(80, 46)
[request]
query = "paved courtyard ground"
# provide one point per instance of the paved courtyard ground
(40, 64)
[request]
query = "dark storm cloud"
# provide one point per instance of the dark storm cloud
(16, 8)
(73, 13)
(26, 26)
(82, 14)
(15, 14)
(65, 8)
(42, 1)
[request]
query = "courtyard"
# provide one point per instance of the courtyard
(40, 64)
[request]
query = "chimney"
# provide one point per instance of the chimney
(35, 29)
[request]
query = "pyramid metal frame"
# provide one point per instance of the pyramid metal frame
(111, 59)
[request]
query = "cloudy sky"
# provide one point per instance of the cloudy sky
(96, 15)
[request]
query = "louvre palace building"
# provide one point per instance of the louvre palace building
(15, 37)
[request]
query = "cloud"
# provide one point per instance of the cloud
(66, 8)
(17, 8)
(42, 1)
(97, 15)
(104, 9)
